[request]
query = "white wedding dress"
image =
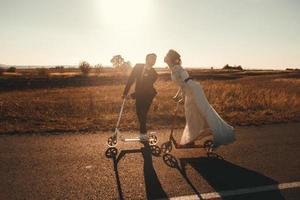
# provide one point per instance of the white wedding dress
(201, 118)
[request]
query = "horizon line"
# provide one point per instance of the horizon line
(158, 67)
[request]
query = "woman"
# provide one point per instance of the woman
(201, 118)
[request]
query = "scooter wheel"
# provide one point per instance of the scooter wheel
(111, 152)
(166, 147)
(208, 145)
(112, 141)
(152, 139)
(155, 150)
(170, 160)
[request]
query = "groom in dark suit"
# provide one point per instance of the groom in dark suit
(144, 77)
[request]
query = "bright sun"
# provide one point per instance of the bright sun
(124, 14)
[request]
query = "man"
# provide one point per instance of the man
(144, 77)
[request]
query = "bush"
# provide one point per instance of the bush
(98, 68)
(1, 71)
(85, 67)
(12, 69)
(43, 72)
(228, 67)
(292, 69)
(59, 68)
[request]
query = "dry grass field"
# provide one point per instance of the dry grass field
(68, 102)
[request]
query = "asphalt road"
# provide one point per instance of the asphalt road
(76, 166)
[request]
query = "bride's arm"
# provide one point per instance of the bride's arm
(179, 95)
(178, 78)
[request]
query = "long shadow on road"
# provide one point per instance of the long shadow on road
(153, 186)
(221, 175)
(224, 176)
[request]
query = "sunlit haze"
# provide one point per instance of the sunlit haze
(251, 33)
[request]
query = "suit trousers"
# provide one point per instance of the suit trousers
(142, 107)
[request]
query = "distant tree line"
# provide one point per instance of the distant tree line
(10, 69)
(118, 62)
(2, 70)
(292, 69)
(228, 67)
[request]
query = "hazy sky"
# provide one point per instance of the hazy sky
(251, 33)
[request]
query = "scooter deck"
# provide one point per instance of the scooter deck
(178, 146)
(136, 140)
(189, 146)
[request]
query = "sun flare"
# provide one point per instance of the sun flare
(124, 14)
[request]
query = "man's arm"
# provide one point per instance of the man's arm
(130, 81)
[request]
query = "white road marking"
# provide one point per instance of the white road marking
(214, 195)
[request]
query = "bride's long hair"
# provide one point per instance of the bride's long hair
(174, 57)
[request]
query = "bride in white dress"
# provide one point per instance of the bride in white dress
(201, 118)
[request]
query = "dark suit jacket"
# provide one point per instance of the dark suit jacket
(143, 85)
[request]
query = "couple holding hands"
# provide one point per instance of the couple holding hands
(201, 118)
